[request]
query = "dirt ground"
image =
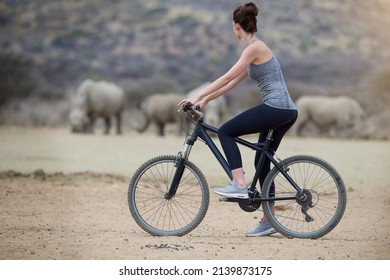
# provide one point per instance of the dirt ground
(64, 196)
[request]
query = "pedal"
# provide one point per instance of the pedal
(231, 199)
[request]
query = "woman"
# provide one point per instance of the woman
(276, 112)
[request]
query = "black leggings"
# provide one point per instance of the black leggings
(258, 119)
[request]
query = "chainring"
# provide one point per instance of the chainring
(249, 206)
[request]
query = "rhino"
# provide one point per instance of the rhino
(97, 99)
(340, 113)
(159, 109)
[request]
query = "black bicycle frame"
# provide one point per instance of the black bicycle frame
(201, 131)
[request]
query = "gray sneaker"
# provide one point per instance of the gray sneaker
(263, 228)
(232, 190)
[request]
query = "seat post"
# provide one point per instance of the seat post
(270, 135)
(269, 139)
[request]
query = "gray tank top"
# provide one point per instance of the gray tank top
(271, 83)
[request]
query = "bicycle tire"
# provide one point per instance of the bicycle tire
(321, 181)
(160, 216)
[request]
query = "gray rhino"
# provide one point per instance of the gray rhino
(159, 109)
(337, 114)
(96, 99)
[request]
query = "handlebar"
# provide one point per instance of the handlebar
(195, 110)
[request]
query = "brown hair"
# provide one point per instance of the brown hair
(245, 15)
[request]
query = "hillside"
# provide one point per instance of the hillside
(174, 45)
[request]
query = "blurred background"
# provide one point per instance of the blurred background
(48, 47)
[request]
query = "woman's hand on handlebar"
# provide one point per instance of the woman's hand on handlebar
(194, 101)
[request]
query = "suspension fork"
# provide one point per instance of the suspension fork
(176, 178)
(180, 164)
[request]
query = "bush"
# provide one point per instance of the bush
(35, 112)
(16, 80)
(375, 92)
(381, 80)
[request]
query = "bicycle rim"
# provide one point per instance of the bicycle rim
(161, 216)
(324, 203)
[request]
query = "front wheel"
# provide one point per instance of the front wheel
(319, 205)
(159, 214)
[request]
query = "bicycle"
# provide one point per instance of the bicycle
(303, 196)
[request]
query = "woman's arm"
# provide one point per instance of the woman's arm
(226, 88)
(229, 80)
(248, 55)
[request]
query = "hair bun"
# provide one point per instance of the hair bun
(249, 9)
(245, 15)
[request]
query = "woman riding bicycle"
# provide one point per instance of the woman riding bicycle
(277, 111)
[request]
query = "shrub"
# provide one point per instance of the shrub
(381, 80)
(16, 80)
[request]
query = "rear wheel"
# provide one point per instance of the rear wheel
(318, 208)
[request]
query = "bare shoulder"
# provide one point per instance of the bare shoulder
(261, 52)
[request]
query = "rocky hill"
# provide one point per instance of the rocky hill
(175, 44)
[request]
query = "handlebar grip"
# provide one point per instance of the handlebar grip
(187, 106)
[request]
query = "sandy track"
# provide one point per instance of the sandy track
(79, 209)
